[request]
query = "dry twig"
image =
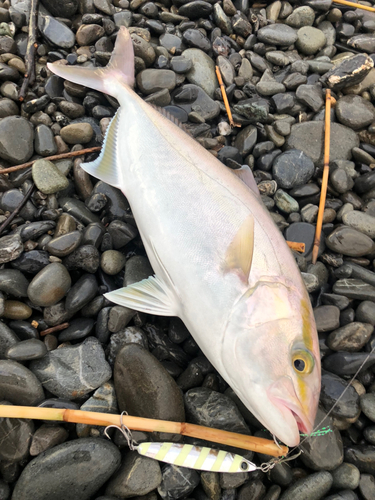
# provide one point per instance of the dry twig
(256, 444)
(17, 210)
(52, 158)
(323, 190)
(225, 98)
(30, 49)
(54, 329)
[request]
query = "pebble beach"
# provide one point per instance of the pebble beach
(64, 345)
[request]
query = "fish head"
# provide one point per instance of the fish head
(270, 354)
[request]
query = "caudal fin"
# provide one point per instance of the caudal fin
(119, 71)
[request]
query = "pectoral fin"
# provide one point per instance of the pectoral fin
(246, 175)
(240, 252)
(151, 296)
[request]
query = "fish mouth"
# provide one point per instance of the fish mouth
(303, 423)
(283, 395)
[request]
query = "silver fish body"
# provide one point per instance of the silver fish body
(220, 263)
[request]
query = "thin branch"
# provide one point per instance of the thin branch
(17, 210)
(225, 98)
(54, 329)
(30, 49)
(245, 442)
(323, 190)
(52, 158)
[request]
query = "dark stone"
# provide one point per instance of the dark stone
(177, 482)
(13, 283)
(348, 241)
(333, 387)
(349, 72)
(54, 472)
(31, 262)
(81, 293)
(347, 363)
(362, 456)
(292, 168)
(19, 385)
(86, 257)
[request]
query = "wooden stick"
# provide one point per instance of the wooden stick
(296, 246)
(30, 49)
(54, 329)
(17, 210)
(252, 443)
(51, 158)
(355, 5)
(323, 190)
(225, 98)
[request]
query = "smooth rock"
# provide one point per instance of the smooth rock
(50, 285)
(348, 241)
(73, 371)
(19, 385)
(48, 178)
(13, 282)
(355, 112)
(292, 168)
(202, 72)
(311, 487)
(54, 472)
(351, 337)
(16, 139)
(177, 482)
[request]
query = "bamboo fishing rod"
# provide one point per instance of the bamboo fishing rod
(355, 5)
(323, 191)
(259, 445)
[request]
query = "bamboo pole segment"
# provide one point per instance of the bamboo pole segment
(323, 190)
(225, 98)
(355, 5)
(52, 158)
(252, 443)
(296, 246)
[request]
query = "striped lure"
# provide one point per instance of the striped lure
(196, 457)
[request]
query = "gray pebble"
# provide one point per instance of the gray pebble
(50, 285)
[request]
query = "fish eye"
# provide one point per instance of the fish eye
(303, 362)
(244, 466)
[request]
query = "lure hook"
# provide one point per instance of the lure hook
(125, 431)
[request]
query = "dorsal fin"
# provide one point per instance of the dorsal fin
(239, 255)
(171, 118)
(246, 175)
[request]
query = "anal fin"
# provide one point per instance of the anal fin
(150, 296)
(105, 167)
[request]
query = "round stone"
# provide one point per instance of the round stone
(348, 241)
(27, 350)
(77, 133)
(50, 285)
(48, 178)
(292, 168)
(310, 40)
(16, 139)
(355, 112)
(19, 385)
(277, 34)
(112, 262)
(54, 472)
(202, 72)
(14, 309)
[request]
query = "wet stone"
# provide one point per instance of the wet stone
(351, 337)
(53, 472)
(346, 476)
(73, 371)
(277, 34)
(81, 293)
(47, 436)
(119, 318)
(308, 137)
(348, 241)
(31, 262)
(7, 339)
(26, 350)
(19, 385)
(48, 178)
(367, 403)
(202, 72)
(64, 244)
(246, 140)
(347, 363)
(366, 312)
(103, 401)
(44, 141)
(341, 181)
(86, 257)
(310, 40)
(78, 210)
(14, 309)
(362, 456)
(153, 80)
(327, 318)
(121, 232)
(13, 282)
(191, 97)
(292, 168)
(360, 221)
(112, 262)
(349, 72)
(78, 328)
(332, 388)
(367, 486)
(323, 454)
(77, 133)
(15, 437)
(212, 409)
(354, 111)
(177, 482)
(11, 247)
(50, 285)
(313, 487)
(137, 475)
(127, 335)
(143, 386)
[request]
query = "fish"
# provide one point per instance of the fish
(196, 457)
(219, 261)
